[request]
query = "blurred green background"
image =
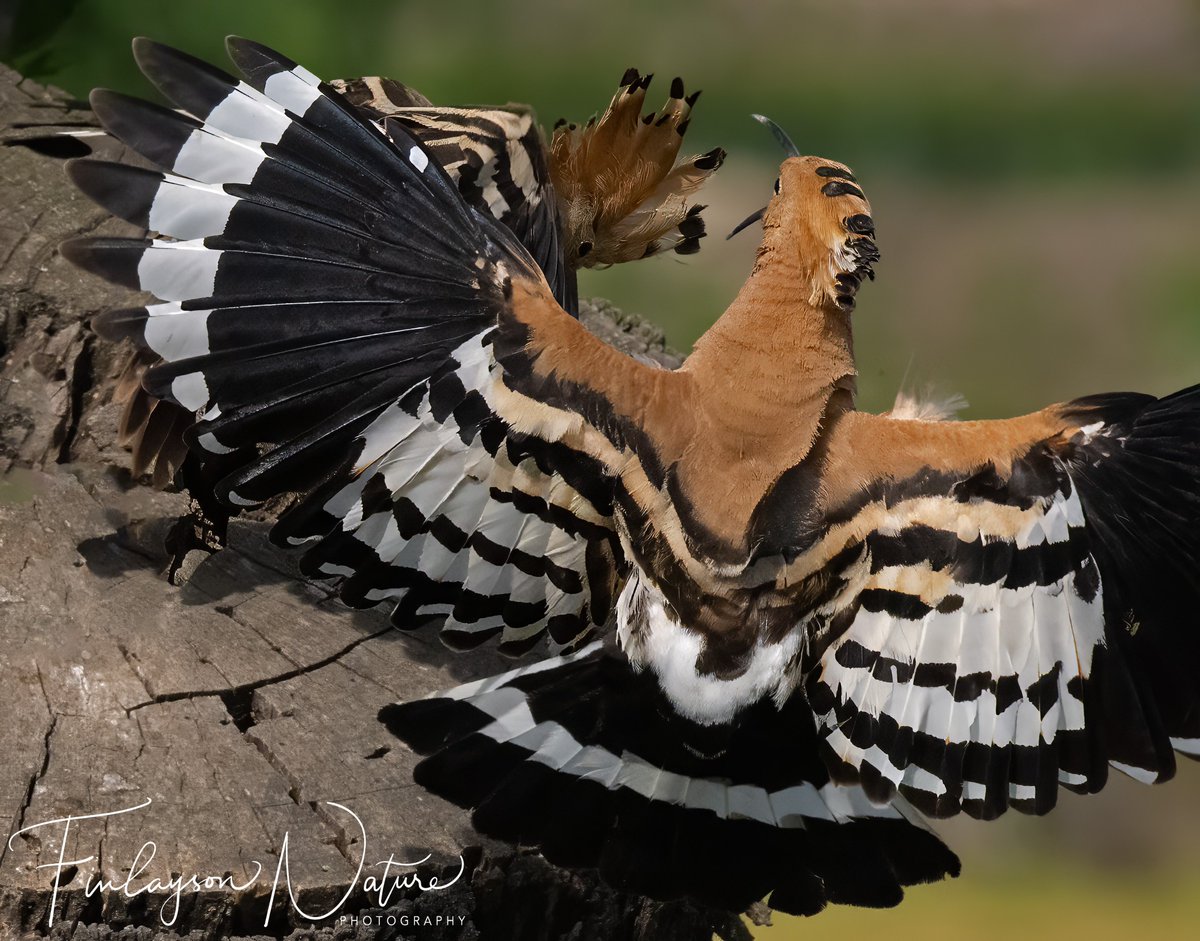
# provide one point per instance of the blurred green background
(1034, 170)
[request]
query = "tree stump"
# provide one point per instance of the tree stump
(231, 719)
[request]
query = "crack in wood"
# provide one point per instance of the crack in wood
(271, 645)
(37, 776)
(247, 688)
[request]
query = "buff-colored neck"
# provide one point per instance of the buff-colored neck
(782, 350)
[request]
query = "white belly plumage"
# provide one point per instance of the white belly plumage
(652, 638)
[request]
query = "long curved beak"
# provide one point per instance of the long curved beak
(780, 135)
(753, 217)
(789, 149)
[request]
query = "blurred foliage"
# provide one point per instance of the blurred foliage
(1013, 903)
(927, 89)
(26, 29)
(964, 120)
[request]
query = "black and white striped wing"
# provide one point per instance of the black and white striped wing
(959, 665)
(328, 301)
(457, 519)
(471, 144)
(1006, 636)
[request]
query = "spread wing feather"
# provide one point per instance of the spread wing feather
(330, 305)
(496, 157)
(996, 636)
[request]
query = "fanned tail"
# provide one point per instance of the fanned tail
(585, 759)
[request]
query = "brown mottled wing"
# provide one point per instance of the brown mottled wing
(495, 156)
(379, 97)
(1007, 606)
(151, 428)
(616, 187)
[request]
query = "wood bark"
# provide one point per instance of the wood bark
(242, 702)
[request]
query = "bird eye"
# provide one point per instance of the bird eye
(776, 186)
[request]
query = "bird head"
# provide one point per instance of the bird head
(820, 219)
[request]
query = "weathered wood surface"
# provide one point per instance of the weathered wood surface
(240, 703)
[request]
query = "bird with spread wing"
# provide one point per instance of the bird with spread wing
(609, 192)
(783, 628)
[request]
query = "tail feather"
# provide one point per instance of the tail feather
(586, 760)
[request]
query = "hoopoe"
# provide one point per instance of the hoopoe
(824, 622)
